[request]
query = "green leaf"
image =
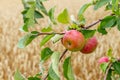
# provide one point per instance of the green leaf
(82, 9)
(34, 78)
(27, 39)
(109, 53)
(116, 66)
(46, 53)
(18, 76)
(47, 29)
(80, 13)
(56, 38)
(88, 33)
(101, 3)
(38, 14)
(28, 16)
(67, 69)
(109, 75)
(103, 31)
(28, 3)
(118, 23)
(46, 39)
(108, 7)
(81, 20)
(41, 7)
(30, 12)
(51, 15)
(43, 0)
(104, 66)
(115, 6)
(107, 22)
(63, 17)
(53, 70)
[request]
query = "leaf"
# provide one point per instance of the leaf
(27, 39)
(107, 22)
(118, 23)
(116, 66)
(18, 76)
(47, 29)
(104, 66)
(108, 6)
(101, 3)
(109, 75)
(109, 53)
(46, 53)
(43, 0)
(38, 14)
(88, 33)
(67, 69)
(46, 39)
(51, 15)
(56, 38)
(34, 78)
(28, 16)
(103, 31)
(53, 70)
(63, 17)
(28, 3)
(115, 6)
(80, 13)
(41, 7)
(83, 8)
(81, 20)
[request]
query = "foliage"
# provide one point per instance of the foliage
(35, 10)
(111, 68)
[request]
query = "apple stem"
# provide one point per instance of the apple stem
(59, 60)
(63, 54)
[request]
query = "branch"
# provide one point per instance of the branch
(92, 24)
(50, 33)
(59, 60)
(105, 77)
(63, 54)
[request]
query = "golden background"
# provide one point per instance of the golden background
(27, 60)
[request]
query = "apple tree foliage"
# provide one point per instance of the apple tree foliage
(34, 10)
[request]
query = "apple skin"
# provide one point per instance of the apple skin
(90, 45)
(73, 40)
(103, 60)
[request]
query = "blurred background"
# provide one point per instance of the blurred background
(27, 60)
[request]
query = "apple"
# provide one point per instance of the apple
(73, 40)
(103, 60)
(90, 45)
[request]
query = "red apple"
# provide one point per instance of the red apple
(90, 45)
(103, 60)
(73, 40)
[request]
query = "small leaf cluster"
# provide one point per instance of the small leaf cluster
(111, 68)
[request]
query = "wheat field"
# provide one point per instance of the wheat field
(27, 60)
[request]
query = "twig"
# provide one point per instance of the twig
(59, 60)
(63, 54)
(105, 77)
(50, 33)
(92, 24)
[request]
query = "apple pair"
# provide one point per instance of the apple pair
(74, 40)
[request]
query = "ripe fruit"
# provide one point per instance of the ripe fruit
(90, 45)
(103, 60)
(73, 40)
